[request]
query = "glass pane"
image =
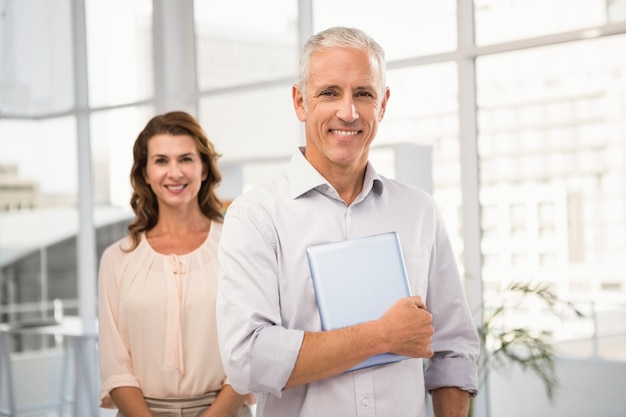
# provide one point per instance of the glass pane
(252, 124)
(501, 21)
(404, 29)
(113, 134)
(423, 110)
(241, 176)
(36, 71)
(119, 41)
(553, 173)
(37, 266)
(616, 10)
(38, 194)
(42, 154)
(245, 41)
(255, 143)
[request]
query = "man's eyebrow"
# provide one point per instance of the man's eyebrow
(337, 87)
(327, 87)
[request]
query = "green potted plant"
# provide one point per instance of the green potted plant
(507, 346)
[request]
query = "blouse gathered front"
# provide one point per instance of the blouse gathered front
(156, 314)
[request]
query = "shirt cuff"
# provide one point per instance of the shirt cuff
(115, 381)
(457, 372)
(275, 353)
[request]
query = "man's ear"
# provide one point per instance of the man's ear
(298, 102)
(383, 106)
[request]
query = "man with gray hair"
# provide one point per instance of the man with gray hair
(269, 327)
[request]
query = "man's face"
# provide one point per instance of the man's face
(342, 108)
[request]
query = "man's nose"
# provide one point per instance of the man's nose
(347, 111)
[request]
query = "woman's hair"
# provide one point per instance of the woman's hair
(143, 201)
(338, 37)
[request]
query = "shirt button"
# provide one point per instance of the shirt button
(365, 402)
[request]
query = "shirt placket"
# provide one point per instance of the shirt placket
(173, 332)
(364, 394)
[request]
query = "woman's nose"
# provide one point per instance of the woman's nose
(175, 171)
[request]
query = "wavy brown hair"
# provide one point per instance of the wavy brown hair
(143, 201)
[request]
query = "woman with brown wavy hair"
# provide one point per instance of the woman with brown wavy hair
(157, 286)
(144, 200)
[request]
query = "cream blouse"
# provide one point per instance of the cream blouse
(156, 316)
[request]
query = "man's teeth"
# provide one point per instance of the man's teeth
(345, 132)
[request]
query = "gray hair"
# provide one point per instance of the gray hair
(339, 37)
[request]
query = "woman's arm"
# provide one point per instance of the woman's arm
(129, 400)
(228, 403)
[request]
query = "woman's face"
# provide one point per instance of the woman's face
(174, 170)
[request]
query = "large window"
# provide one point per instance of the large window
(119, 51)
(423, 110)
(242, 42)
(552, 128)
(247, 60)
(500, 21)
(405, 29)
(36, 71)
(113, 133)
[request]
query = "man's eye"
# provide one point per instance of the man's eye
(364, 94)
(327, 93)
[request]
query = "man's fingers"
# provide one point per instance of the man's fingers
(429, 352)
(417, 301)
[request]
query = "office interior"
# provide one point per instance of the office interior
(511, 113)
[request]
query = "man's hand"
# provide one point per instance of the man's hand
(408, 328)
(405, 329)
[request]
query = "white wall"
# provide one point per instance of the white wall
(588, 388)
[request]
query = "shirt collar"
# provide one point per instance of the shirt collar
(303, 177)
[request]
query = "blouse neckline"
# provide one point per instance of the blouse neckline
(144, 239)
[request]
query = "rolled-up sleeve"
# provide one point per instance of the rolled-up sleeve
(115, 361)
(455, 340)
(258, 351)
